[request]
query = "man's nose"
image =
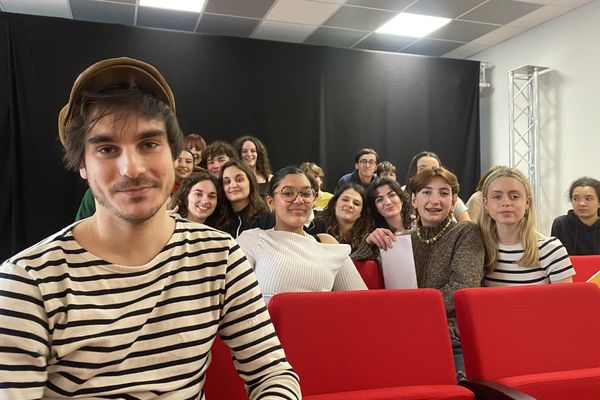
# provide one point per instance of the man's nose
(131, 163)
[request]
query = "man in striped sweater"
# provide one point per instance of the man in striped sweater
(126, 304)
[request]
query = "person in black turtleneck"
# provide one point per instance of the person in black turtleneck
(245, 207)
(579, 230)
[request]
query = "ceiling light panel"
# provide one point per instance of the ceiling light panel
(412, 25)
(179, 5)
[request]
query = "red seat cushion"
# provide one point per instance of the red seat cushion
(371, 273)
(585, 267)
(573, 384)
(430, 392)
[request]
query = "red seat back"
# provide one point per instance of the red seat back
(222, 380)
(521, 330)
(371, 273)
(585, 267)
(346, 341)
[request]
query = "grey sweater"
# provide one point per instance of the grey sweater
(454, 261)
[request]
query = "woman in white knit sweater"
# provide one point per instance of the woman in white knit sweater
(287, 259)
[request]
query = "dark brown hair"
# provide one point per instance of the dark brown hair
(218, 219)
(256, 203)
(361, 227)
(404, 198)
(412, 168)
(122, 102)
(263, 165)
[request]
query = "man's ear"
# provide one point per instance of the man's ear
(83, 171)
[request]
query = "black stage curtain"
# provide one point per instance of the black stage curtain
(305, 102)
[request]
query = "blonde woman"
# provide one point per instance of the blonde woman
(516, 254)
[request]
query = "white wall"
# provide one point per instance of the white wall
(569, 103)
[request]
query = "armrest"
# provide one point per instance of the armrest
(488, 390)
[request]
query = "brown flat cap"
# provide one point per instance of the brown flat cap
(114, 72)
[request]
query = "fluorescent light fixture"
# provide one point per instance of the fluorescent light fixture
(413, 25)
(179, 5)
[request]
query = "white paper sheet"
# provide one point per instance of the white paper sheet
(398, 264)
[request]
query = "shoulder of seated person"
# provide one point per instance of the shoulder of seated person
(327, 238)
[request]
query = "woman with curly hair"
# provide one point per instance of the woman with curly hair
(200, 199)
(347, 215)
(254, 154)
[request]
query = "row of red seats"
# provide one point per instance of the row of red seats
(585, 268)
(539, 342)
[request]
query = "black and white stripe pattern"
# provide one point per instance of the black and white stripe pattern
(72, 325)
(554, 265)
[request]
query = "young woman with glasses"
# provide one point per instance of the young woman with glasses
(286, 258)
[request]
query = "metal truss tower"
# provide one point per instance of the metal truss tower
(524, 122)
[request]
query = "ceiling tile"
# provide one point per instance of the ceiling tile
(132, 2)
(431, 47)
(335, 37)
(462, 31)
(359, 18)
(393, 5)
(166, 19)
(384, 42)
(539, 16)
(301, 12)
(500, 11)
(111, 13)
(571, 3)
(241, 8)
(498, 35)
(466, 50)
(56, 8)
(540, 1)
(445, 8)
(227, 26)
(282, 31)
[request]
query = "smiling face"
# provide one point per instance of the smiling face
(292, 213)
(128, 166)
(348, 207)
(213, 164)
(237, 187)
(388, 202)
(434, 201)
(249, 154)
(506, 201)
(184, 165)
(366, 166)
(202, 201)
(585, 203)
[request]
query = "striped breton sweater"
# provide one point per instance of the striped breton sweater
(75, 326)
(554, 265)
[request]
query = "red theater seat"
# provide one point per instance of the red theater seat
(368, 345)
(222, 379)
(585, 267)
(541, 340)
(371, 273)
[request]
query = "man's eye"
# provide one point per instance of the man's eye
(105, 150)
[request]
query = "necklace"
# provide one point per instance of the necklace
(435, 237)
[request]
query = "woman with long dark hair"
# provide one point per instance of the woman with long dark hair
(200, 199)
(244, 205)
(347, 215)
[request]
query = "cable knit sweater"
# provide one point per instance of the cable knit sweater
(454, 261)
(288, 262)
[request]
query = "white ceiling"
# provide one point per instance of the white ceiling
(475, 26)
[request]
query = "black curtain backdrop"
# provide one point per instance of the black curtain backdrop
(307, 103)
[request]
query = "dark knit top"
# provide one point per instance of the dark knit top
(454, 261)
